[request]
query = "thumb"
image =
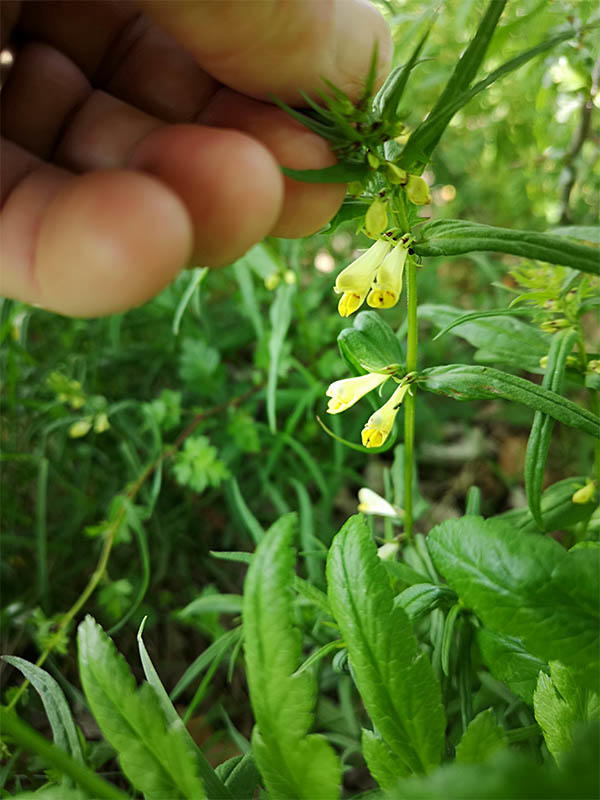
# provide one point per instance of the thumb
(266, 47)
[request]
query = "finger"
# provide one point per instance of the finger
(306, 207)
(265, 47)
(122, 51)
(93, 244)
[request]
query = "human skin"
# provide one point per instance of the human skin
(139, 138)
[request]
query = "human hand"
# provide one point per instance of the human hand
(138, 138)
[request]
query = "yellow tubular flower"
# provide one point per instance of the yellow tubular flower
(585, 494)
(380, 423)
(357, 277)
(349, 303)
(388, 279)
(345, 393)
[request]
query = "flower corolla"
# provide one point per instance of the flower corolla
(343, 394)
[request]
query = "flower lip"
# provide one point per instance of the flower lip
(378, 426)
(345, 393)
(358, 276)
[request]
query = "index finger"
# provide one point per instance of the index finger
(276, 47)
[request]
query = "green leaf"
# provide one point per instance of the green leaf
(293, 764)
(421, 598)
(526, 586)
(455, 237)
(558, 509)
(559, 704)
(584, 233)
(542, 426)
(54, 792)
(510, 662)
(387, 99)
(371, 344)
(213, 784)
(482, 739)
(383, 764)
(57, 710)
(210, 603)
(499, 337)
(280, 316)
(241, 775)
(155, 757)
(338, 173)
(463, 382)
(214, 652)
(393, 676)
(423, 140)
(511, 774)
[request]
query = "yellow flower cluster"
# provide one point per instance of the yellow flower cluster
(376, 276)
(343, 394)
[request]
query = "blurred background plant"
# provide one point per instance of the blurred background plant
(190, 424)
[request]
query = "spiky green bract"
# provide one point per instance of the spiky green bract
(294, 765)
(394, 678)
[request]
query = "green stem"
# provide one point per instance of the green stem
(58, 758)
(410, 400)
(595, 408)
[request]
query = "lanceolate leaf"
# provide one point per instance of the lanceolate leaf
(527, 586)
(55, 705)
(394, 678)
(540, 435)
(388, 98)
(424, 139)
(465, 382)
(293, 763)
(455, 237)
(156, 758)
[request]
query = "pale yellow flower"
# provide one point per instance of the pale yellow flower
(345, 393)
(376, 218)
(80, 428)
(585, 494)
(369, 502)
(380, 423)
(356, 279)
(388, 551)
(387, 285)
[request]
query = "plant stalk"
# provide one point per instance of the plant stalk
(410, 400)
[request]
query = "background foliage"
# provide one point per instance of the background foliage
(190, 425)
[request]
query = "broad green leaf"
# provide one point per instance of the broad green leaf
(383, 764)
(57, 710)
(338, 173)
(454, 237)
(213, 785)
(424, 139)
(464, 382)
(510, 662)
(542, 426)
(511, 774)
(280, 316)
(482, 739)
(394, 678)
(527, 586)
(558, 509)
(155, 757)
(243, 777)
(560, 703)
(293, 764)
(371, 344)
(506, 340)
(54, 792)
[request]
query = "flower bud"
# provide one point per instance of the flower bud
(417, 190)
(585, 494)
(272, 281)
(80, 428)
(387, 551)
(395, 174)
(376, 218)
(289, 276)
(101, 423)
